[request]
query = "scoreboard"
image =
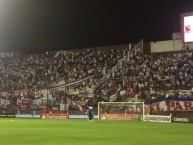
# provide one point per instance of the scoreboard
(187, 27)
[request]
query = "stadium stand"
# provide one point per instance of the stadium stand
(79, 78)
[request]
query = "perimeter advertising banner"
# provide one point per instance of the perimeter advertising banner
(80, 116)
(54, 116)
(117, 117)
(27, 115)
(7, 115)
(180, 119)
(157, 118)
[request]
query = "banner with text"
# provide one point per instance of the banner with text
(54, 116)
(161, 104)
(27, 116)
(157, 118)
(80, 116)
(7, 115)
(182, 119)
(119, 117)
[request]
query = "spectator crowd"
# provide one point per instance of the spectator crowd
(39, 71)
(116, 77)
(154, 75)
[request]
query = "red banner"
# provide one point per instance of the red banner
(172, 106)
(54, 116)
(116, 117)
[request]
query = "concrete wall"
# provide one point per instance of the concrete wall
(168, 45)
(190, 45)
(162, 46)
(178, 44)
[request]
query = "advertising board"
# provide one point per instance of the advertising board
(80, 116)
(157, 118)
(182, 119)
(7, 115)
(116, 117)
(54, 116)
(27, 115)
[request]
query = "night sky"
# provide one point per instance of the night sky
(48, 25)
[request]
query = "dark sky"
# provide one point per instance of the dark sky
(46, 25)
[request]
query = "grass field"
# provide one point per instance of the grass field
(82, 132)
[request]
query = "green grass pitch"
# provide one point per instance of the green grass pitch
(82, 132)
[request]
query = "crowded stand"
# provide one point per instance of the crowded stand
(37, 71)
(31, 75)
(75, 79)
(154, 75)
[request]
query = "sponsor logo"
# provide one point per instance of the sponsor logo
(7, 115)
(11, 116)
(54, 116)
(116, 117)
(157, 118)
(27, 116)
(81, 116)
(176, 119)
